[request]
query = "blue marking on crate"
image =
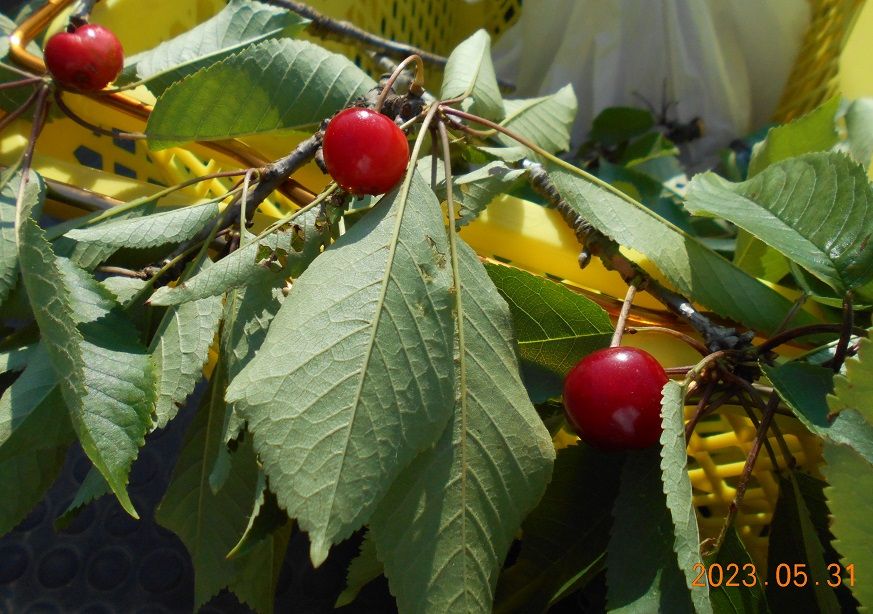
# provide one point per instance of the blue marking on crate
(88, 157)
(120, 169)
(125, 144)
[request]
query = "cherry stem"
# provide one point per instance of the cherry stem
(13, 115)
(81, 15)
(113, 132)
(121, 271)
(845, 333)
(697, 371)
(691, 341)
(751, 459)
(416, 87)
(803, 331)
(622, 316)
(20, 83)
(801, 300)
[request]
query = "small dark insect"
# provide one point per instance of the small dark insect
(675, 130)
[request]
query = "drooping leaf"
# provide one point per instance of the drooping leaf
(355, 378)
(859, 125)
(817, 208)
(470, 72)
(692, 268)
(444, 528)
(805, 388)
(677, 488)
(92, 488)
(172, 226)
(209, 524)
(794, 541)
(180, 348)
(235, 27)
(566, 535)
(105, 376)
(546, 121)
(850, 497)
(641, 570)
(265, 519)
(745, 594)
(854, 390)
(815, 131)
(273, 85)
(8, 247)
(29, 476)
(363, 569)
(33, 415)
(245, 267)
(555, 326)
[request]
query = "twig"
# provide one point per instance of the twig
(622, 316)
(803, 331)
(748, 467)
(845, 333)
(113, 132)
(121, 271)
(328, 28)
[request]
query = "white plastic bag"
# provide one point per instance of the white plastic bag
(724, 61)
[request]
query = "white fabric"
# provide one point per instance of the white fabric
(725, 61)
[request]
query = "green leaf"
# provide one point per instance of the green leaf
(794, 540)
(179, 349)
(854, 389)
(273, 85)
(29, 476)
(759, 259)
(641, 570)
(32, 411)
(174, 226)
(238, 25)
(859, 125)
(8, 247)
(371, 352)
(546, 121)
(475, 190)
(11, 99)
(804, 388)
(817, 208)
(566, 535)
(105, 376)
(209, 524)
(815, 131)
(265, 519)
(695, 270)
(555, 326)
(92, 488)
(470, 72)
(444, 528)
(677, 488)
(739, 599)
(616, 125)
(850, 497)
(245, 267)
(363, 569)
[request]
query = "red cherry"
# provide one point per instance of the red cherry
(364, 151)
(613, 398)
(88, 58)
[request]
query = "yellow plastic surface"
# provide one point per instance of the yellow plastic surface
(510, 230)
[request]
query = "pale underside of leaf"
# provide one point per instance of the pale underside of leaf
(355, 377)
(546, 121)
(446, 525)
(470, 72)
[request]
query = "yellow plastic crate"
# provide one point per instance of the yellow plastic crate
(511, 230)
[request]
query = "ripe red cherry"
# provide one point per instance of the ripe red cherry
(613, 398)
(87, 59)
(364, 151)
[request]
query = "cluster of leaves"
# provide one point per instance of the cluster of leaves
(383, 386)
